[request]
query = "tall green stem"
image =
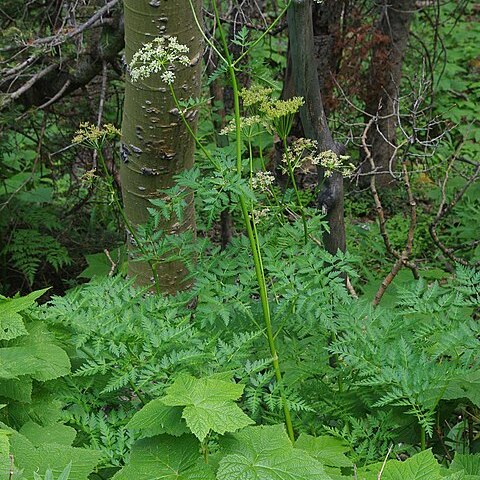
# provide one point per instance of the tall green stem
(297, 193)
(251, 232)
(128, 226)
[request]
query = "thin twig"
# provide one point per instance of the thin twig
(29, 84)
(8, 74)
(378, 204)
(250, 26)
(380, 473)
(101, 104)
(56, 97)
(445, 208)
(55, 40)
(113, 264)
(402, 259)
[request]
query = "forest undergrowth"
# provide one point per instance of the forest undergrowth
(277, 360)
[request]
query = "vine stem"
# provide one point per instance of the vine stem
(251, 232)
(423, 438)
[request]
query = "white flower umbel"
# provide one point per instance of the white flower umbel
(159, 56)
(331, 162)
(263, 180)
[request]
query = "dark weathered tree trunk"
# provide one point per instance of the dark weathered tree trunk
(313, 118)
(392, 30)
(327, 24)
(156, 145)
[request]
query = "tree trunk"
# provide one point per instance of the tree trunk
(313, 118)
(392, 31)
(327, 23)
(155, 143)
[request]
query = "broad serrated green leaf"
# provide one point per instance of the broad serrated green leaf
(42, 362)
(52, 362)
(11, 326)
(458, 476)
(56, 433)
(156, 418)
(187, 390)
(11, 322)
(15, 362)
(220, 417)
(470, 464)
(422, 466)
(209, 404)
(43, 409)
(467, 386)
(19, 389)
(166, 458)
(266, 453)
(52, 456)
(4, 445)
(327, 450)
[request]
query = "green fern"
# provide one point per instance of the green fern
(29, 249)
(418, 354)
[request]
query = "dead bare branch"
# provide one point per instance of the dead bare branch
(8, 98)
(446, 207)
(60, 38)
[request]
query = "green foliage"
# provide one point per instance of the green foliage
(422, 466)
(457, 88)
(329, 451)
(54, 457)
(29, 248)
(468, 464)
(168, 458)
(209, 404)
(267, 453)
(169, 387)
(126, 349)
(28, 354)
(434, 353)
(49, 474)
(30, 231)
(258, 452)
(156, 418)
(30, 361)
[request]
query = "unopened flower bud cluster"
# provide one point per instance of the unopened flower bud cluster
(159, 56)
(255, 95)
(277, 114)
(281, 108)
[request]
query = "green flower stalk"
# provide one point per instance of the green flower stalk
(95, 137)
(161, 56)
(251, 231)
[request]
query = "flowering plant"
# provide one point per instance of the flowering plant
(159, 56)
